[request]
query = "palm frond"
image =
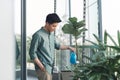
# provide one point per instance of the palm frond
(112, 39)
(105, 37)
(118, 34)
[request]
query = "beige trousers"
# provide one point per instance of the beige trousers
(43, 75)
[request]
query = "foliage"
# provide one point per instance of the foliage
(18, 50)
(102, 65)
(75, 28)
(18, 40)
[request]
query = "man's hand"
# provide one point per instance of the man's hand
(72, 49)
(39, 63)
(42, 67)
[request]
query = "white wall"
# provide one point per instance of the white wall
(111, 16)
(7, 55)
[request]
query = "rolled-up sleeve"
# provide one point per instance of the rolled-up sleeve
(34, 45)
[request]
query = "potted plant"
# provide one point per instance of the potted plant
(104, 64)
(76, 29)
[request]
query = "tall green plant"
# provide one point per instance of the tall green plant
(115, 45)
(102, 66)
(75, 28)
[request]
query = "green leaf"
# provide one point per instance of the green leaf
(97, 38)
(73, 27)
(105, 37)
(80, 24)
(115, 47)
(67, 28)
(79, 31)
(118, 34)
(73, 19)
(94, 44)
(112, 39)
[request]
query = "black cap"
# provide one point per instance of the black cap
(52, 18)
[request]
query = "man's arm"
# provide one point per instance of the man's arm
(64, 47)
(33, 50)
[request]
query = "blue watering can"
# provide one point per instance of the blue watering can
(73, 57)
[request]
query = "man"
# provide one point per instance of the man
(42, 47)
